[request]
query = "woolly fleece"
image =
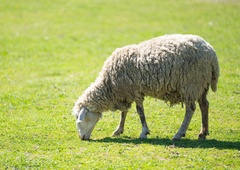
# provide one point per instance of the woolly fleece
(174, 68)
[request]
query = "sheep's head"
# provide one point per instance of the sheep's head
(85, 122)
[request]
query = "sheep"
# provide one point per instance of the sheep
(174, 68)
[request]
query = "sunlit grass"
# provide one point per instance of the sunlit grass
(51, 51)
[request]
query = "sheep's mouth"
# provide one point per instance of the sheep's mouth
(82, 137)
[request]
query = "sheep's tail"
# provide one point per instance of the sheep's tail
(215, 74)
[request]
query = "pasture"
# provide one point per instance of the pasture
(51, 51)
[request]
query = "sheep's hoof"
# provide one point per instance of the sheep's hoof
(176, 139)
(144, 135)
(201, 136)
(117, 133)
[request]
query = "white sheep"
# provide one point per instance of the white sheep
(174, 68)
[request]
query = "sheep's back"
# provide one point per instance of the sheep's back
(174, 68)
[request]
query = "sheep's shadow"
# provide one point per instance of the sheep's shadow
(183, 143)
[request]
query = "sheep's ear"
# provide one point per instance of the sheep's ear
(82, 114)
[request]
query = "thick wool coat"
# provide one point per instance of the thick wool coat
(174, 68)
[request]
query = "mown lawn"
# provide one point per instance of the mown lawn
(50, 51)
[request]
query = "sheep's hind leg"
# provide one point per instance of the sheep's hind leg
(145, 130)
(190, 108)
(120, 127)
(204, 105)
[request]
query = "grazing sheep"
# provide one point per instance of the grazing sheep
(174, 68)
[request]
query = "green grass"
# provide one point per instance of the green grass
(50, 51)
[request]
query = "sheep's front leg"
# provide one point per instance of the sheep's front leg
(190, 108)
(120, 127)
(204, 105)
(145, 130)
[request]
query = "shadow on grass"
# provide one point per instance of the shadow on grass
(183, 143)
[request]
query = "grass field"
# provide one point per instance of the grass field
(51, 51)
